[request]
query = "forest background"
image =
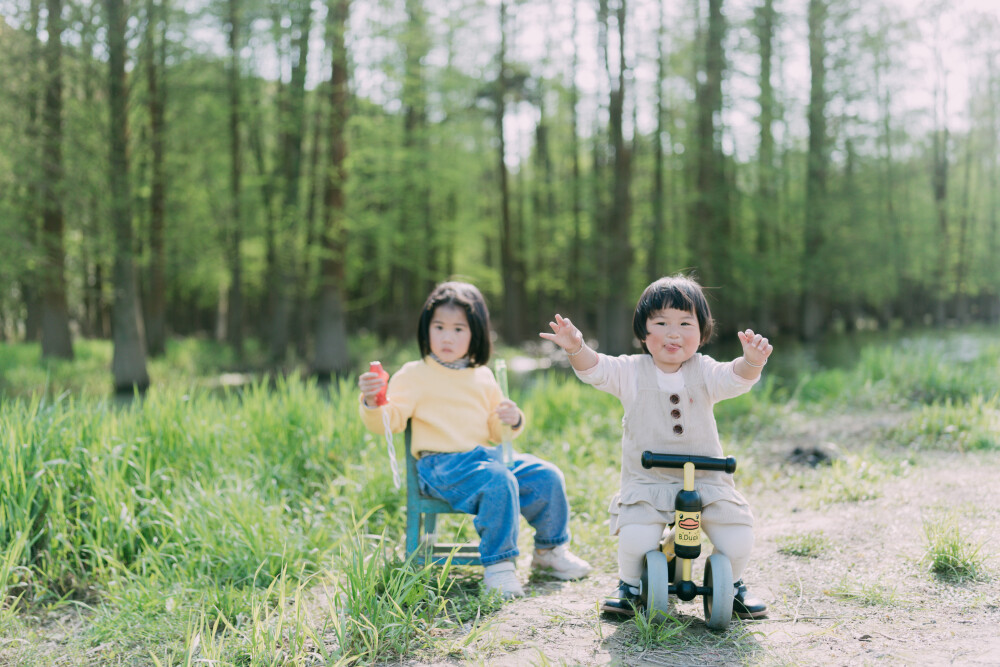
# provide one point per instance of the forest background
(286, 176)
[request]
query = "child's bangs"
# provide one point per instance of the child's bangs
(671, 297)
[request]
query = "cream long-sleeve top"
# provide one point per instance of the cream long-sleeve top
(450, 410)
(669, 413)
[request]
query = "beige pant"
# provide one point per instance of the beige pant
(733, 540)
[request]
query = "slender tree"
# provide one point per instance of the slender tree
(156, 305)
(709, 216)
(510, 261)
(655, 266)
(816, 215)
(331, 327)
(940, 168)
(307, 257)
(576, 247)
(766, 201)
(992, 168)
(56, 340)
(234, 238)
(291, 118)
(30, 291)
(128, 364)
(888, 177)
(617, 304)
(416, 221)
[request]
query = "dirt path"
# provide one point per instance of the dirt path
(865, 599)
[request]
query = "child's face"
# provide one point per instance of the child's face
(673, 338)
(449, 333)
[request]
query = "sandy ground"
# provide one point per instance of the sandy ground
(867, 598)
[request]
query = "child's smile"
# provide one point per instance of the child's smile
(673, 338)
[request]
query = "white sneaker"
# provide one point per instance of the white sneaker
(502, 577)
(560, 563)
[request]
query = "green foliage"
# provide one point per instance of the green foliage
(824, 387)
(856, 477)
(201, 519)
(804, 545)
(390, 608)
(658, 632)
(950, 554)
(934, 367)
(867, 595)
(962, 426)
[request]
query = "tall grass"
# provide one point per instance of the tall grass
(182, 485)
(196, 523)
(963, 426)
(194, 510)
(950, 554)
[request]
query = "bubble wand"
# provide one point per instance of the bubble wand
(380, 400)
(506, 448)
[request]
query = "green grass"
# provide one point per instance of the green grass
(804, 545)
(950, 554)
(956, 425)
(664, 630)
(201, 523)
(865, 594)
(855, 477)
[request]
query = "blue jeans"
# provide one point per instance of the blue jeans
(477, 482)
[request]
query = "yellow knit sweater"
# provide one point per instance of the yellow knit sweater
(451, 410)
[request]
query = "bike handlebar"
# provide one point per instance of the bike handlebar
(651, 460)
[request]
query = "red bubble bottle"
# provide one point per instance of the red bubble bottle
(376, 367)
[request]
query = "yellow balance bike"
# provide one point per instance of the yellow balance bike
(660, 566)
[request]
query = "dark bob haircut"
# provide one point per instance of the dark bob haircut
(679, 292)
(468, 298)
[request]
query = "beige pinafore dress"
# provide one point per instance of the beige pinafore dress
(679, 422)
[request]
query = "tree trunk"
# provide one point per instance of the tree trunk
(766, 209)
(710, 208)
(303, 297)
(56, 340)
(292, 137)
(964, 252)
(814, 297)
(992, 295)
(331, 328)
(128, 365)
(939, 185)
(617, 306)
(417, 193)
(156, 309)
(29, 279)
(655, 266)
(896, 248)
(576, 248)
(509, 259)
(234, 240)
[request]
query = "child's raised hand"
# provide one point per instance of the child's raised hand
(756, 349)
(370, 385)
(508, 413)
(564, 334)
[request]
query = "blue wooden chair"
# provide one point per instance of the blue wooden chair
(421, 522)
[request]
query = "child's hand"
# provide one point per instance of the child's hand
(756, 349)
(564, 334)
(508, 413)
(370, 384)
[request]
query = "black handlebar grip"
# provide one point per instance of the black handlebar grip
(651, 460)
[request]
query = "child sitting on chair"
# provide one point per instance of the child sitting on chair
(668, 393)
(457, 410)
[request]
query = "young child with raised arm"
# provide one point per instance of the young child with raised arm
(668, 393)
(457, 412)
